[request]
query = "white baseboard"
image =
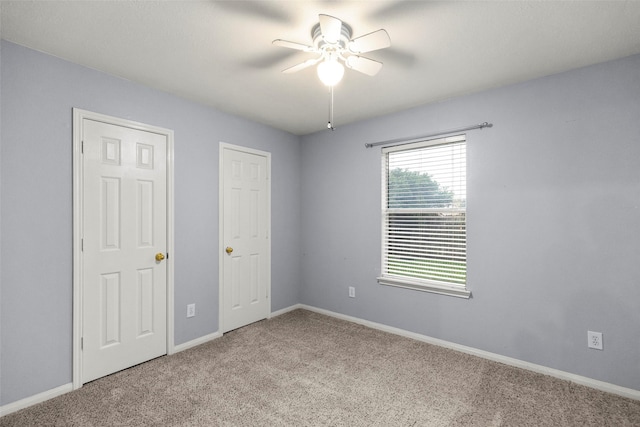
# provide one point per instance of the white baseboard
(58, 391)
(213, 336)
(286, 310)
(578, 379)
(36, 398)
(184, 346)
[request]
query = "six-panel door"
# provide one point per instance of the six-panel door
(245, 238)
(125, 214)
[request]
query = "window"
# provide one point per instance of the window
(424, 238)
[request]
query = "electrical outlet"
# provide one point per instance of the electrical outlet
(594, 340)
(352, 292)
(191, 310)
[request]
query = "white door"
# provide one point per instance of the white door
(245, 237)
(125, 215)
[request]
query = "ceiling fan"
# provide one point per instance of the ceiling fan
(332, 43)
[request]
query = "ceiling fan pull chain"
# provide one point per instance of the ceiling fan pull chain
(330, 123)
(333, 45)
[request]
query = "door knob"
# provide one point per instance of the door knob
(229, 249)
(159, 256)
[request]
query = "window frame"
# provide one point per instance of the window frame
(420, 284)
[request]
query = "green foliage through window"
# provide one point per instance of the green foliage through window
(425, 236)
(412, 189)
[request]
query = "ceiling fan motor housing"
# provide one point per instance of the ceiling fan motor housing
(326, 47)
(332, 42)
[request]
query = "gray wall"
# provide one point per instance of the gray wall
(553, 208)
(38, 94)
(553, 222)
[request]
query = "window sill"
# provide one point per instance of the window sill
(424, 286)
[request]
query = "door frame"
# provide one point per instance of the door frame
(79, 116)
(221, 244)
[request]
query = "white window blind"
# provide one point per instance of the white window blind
(424, 216)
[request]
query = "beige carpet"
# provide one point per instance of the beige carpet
(306, 369)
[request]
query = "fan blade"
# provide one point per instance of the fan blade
(293, 45)
(364, 65)
(269, 59)
(331, 28)
(302, 65)
(372, 41)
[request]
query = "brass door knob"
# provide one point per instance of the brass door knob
(159, 256)
(229, 249)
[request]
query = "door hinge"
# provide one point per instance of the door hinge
(81, 343)
(82, 147)
(81, 245)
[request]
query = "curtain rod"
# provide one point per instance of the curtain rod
(432, 135)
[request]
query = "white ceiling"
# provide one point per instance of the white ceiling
(220, 53)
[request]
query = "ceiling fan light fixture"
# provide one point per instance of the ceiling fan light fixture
(330, 72)
(332, 42)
